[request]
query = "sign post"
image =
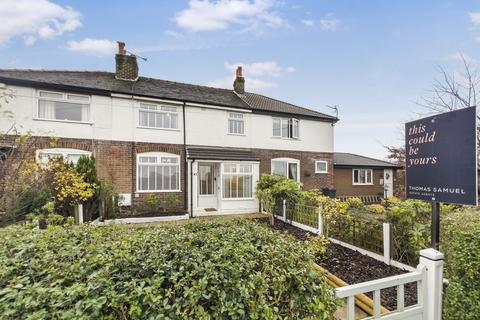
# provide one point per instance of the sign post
(441, 161)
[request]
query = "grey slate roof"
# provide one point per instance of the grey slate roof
(341, 159)
(260, 102)
(105, 82)
(220, 154)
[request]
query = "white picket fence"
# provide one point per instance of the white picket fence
(428, 275)
(429, 279)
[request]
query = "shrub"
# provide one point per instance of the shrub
(460, 243)
(279, 187)
(355, 203)
(376, 209)
(318, 247)
(55, 219)
(27, 200)
(390, 201)
(86, 167)
(108, 204)
(199, 270)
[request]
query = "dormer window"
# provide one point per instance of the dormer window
(63, 106)
(158, 117)
(286, 128)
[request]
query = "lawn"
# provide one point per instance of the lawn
(198, 270)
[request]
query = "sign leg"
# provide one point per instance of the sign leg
(436, 225)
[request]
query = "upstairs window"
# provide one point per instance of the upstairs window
(286, 128)
(158, 172)
(68, 155)
(362, 176)
(63, 106)
(159, 117)
(236, 123)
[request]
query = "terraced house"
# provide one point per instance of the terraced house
(205, 146)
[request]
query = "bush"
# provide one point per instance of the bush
(355, 203)
(376, 209)
(27, 200)
(86, 167)
(460, 243)
(55, 219)
(199, 270)
(318, 247)
(279, 188)
(390, 201)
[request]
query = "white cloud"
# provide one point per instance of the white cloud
(475, 18)
(174, 34)
(258, 75)
(329, 24)
(95, 47)
(210, 15)
(308, 23)
(34, 19)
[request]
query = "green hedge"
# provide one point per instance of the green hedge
(461, 246)
(198, 270)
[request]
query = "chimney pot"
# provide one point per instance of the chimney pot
(126, 66)
(239, 83)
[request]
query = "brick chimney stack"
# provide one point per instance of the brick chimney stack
(126, 66)
(239, 83)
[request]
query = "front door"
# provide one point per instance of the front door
(207, 186)
(388, 183)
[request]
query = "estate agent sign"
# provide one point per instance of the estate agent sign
(441, 158)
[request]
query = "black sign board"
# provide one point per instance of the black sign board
(441, 158)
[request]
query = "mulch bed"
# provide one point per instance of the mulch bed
(150, 214)
(353, 267)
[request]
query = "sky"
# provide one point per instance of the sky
(372, 59)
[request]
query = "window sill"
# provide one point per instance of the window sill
(64, 121)
(157, 191)
(236, 134)
(291, 139)
(321, 172)
(362, 184)
(236, 199)
(154, 128)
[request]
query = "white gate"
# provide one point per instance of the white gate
(429, 279)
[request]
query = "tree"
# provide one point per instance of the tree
(397, 156)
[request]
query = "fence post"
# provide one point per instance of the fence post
(432, 260)
(284, 210)
(320, 222)
(261, 206)
(79, 214)
(387, 243)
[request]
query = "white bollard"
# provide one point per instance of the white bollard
(284, 208)
(432, 260)
(79, 214)
(387, 243)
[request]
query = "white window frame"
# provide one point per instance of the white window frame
(321, 171)
(222, 173)
(287, 162)
(240, 119)
(64, 152)
(64, 98)
(362, 183)
(158, 155)
(157, 109)
(291, 123)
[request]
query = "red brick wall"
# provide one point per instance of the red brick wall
(308, 177)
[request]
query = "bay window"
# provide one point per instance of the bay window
(362, 176)
(159, 117)
(286, 128)
(237, 181)
(43, 156)
(287, 167)
(158, 172)
(63, 106)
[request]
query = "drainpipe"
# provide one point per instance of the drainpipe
(185, 175)
(191, 188)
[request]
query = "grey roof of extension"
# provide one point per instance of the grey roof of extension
(342, 159)
(220, 154)
(101, 82)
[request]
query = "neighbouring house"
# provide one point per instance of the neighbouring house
(356, 175)
(204, 146)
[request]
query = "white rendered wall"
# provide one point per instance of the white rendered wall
(115, 118)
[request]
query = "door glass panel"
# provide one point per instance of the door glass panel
(206, 179)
